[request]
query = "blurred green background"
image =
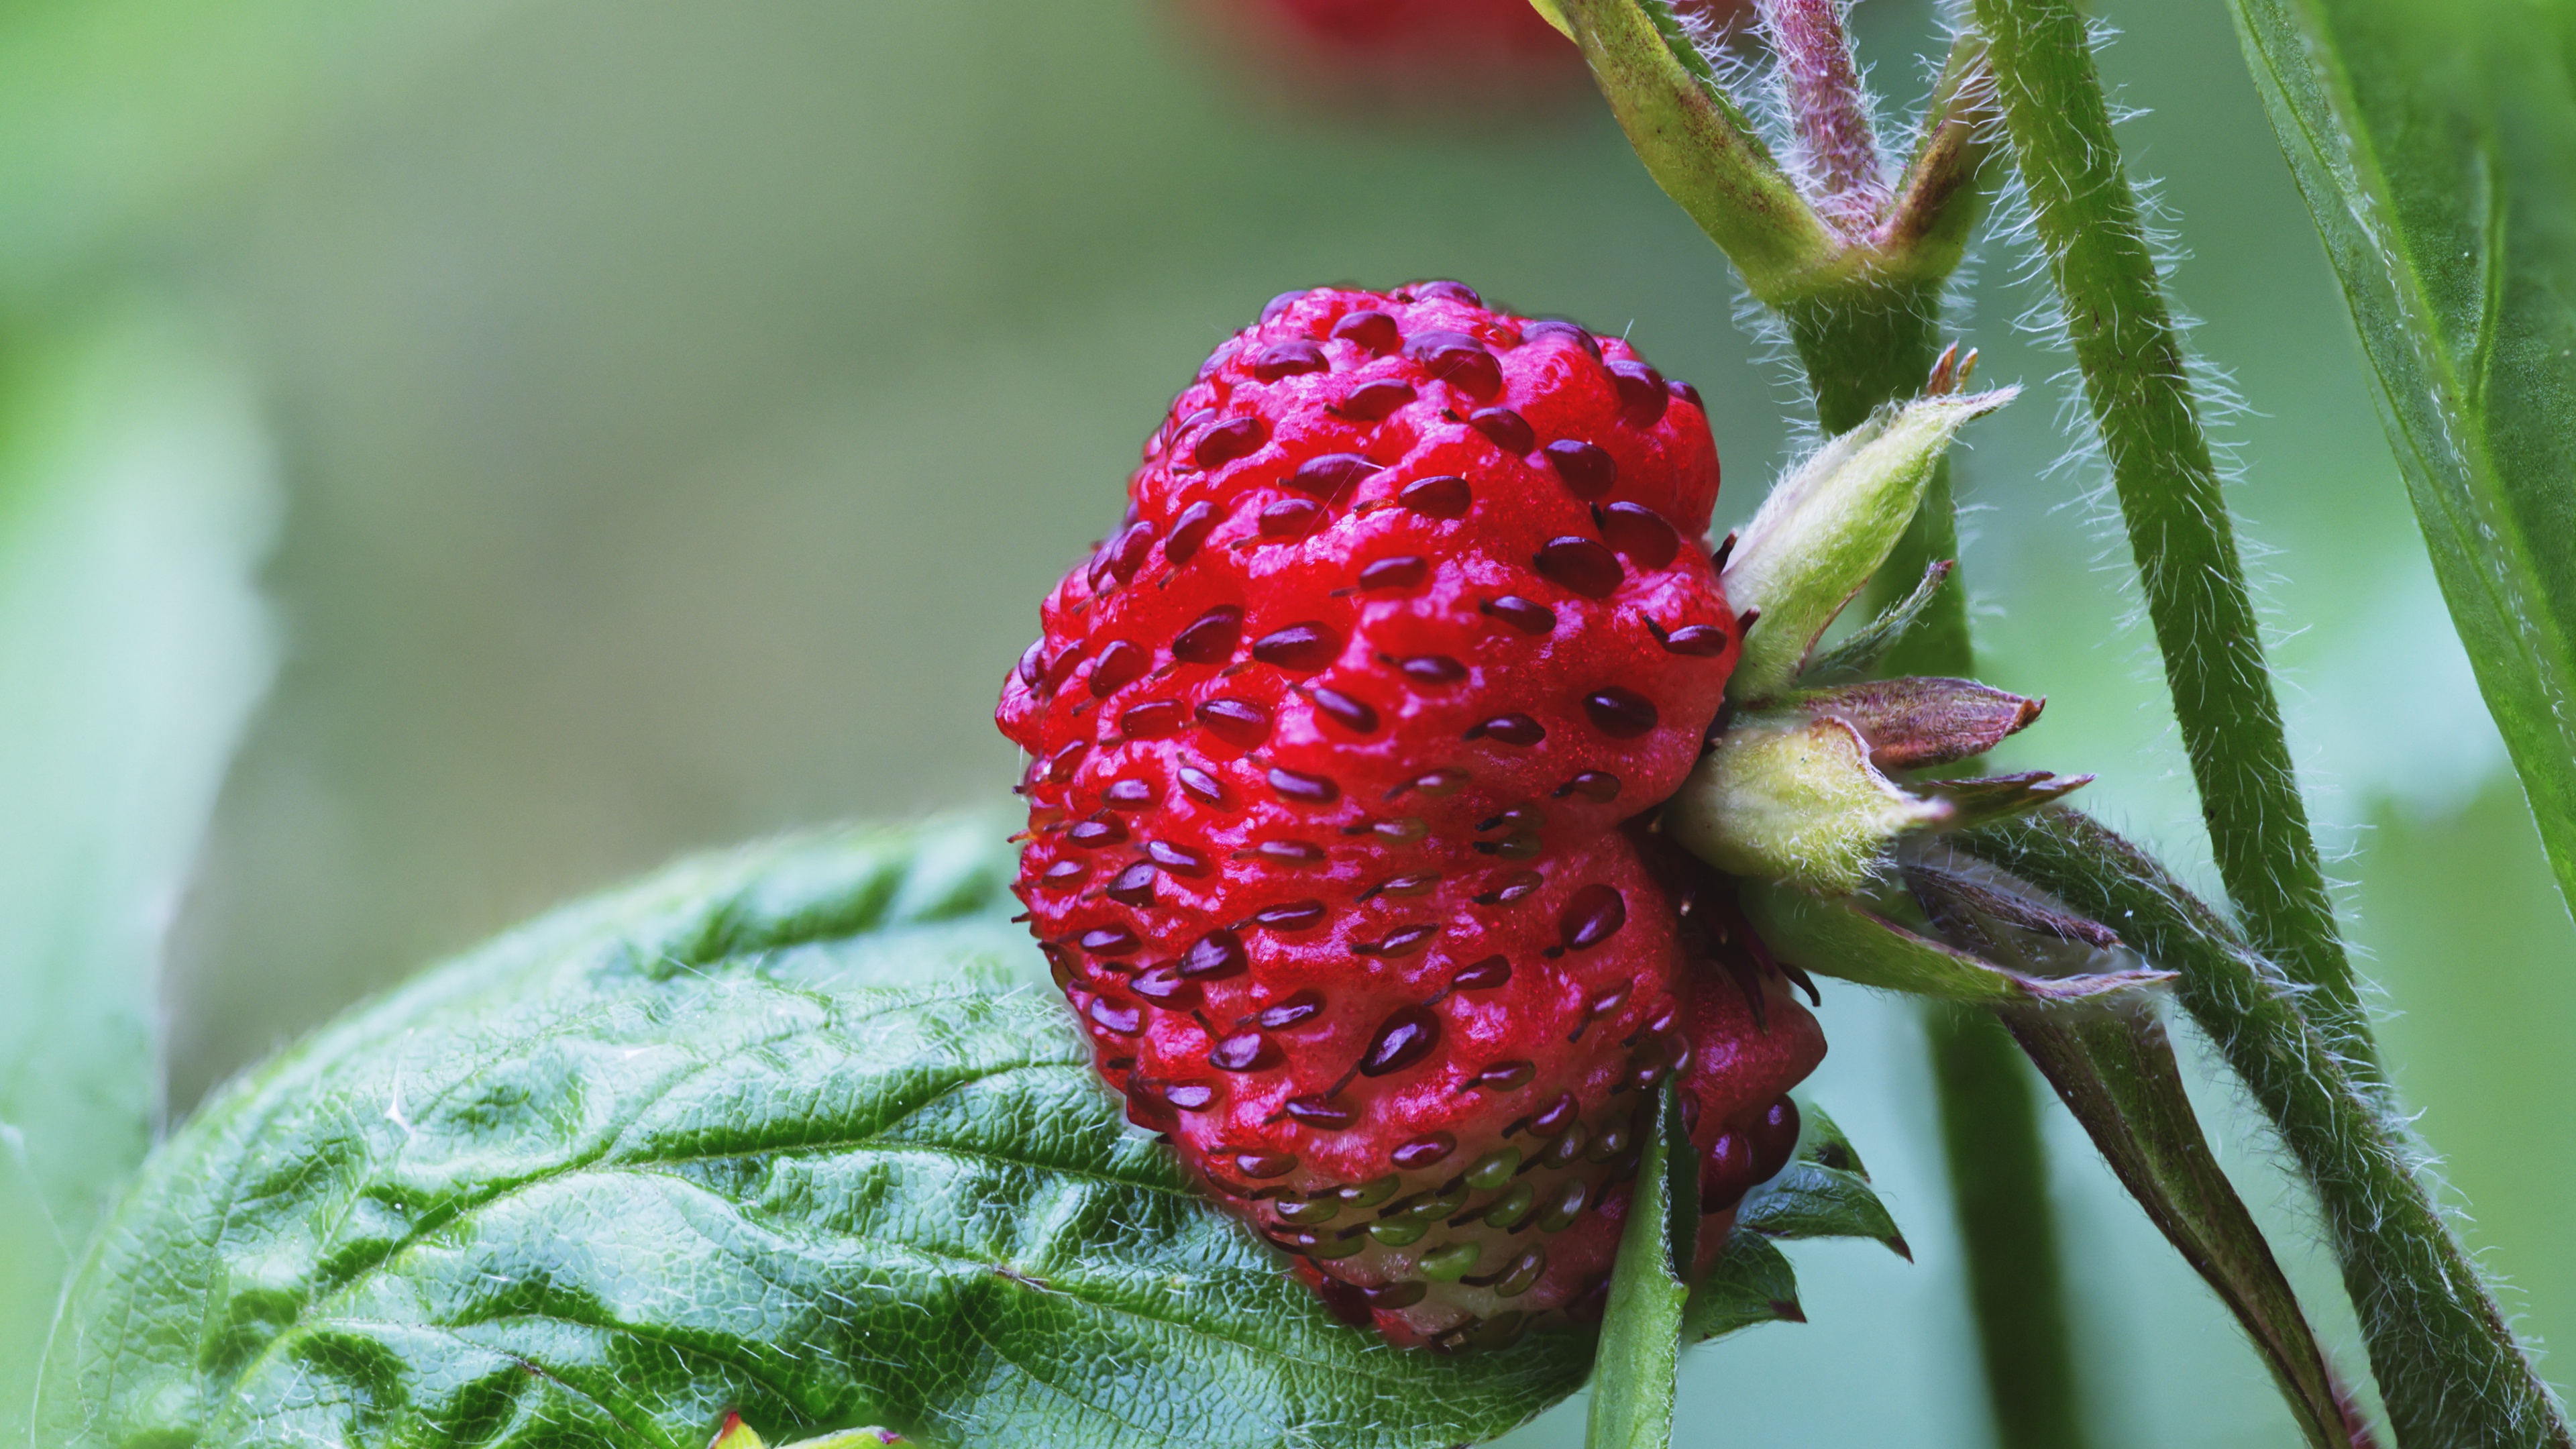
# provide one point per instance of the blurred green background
(655, 424)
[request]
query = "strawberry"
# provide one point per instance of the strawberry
(1344, 749)
(1426, 27)
(1481, 59)
(1485, 56)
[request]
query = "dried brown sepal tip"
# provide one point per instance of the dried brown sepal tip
(1918, 723)
(1950, 372)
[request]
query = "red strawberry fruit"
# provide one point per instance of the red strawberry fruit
(1343, 752)
(1425, 28)
(1436, 53)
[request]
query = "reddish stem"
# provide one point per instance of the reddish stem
(1825, 105)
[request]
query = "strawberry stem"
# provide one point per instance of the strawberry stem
(1829, 110)
(1699, 146)
(1857, 276)
(1872, 344)
(1998, 1170)
(2449, 1367)
(2138, 385)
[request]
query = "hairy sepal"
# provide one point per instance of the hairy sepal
(1858, 655)
(1828, 525)
(1795, 799)
(1845, 939)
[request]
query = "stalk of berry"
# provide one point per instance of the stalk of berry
(1341, 748)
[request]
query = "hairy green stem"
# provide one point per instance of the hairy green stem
(1863, 347)
(1698, 145)
(1999, 1193)
(1861, 299)
(2450, 1370)
(2137, 384)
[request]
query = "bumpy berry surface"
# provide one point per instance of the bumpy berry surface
(1340, 751)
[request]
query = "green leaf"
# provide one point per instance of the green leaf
(757, 1134)
(1823, 1142)
(136, 502)
(1632, 1384)
(738, 1435)
(2433, 142)
(1752, 1283)
(1809, 1200)
(1843, 939)
(2115, 1071)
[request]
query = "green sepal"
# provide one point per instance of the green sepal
(1823, 1193)
(1828, 525)
(1823, 1142)
(1987, 799)
(1750, 1284)
(1790, 797)
(1844, 939)
(1857, 657)
(1810, 1200)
